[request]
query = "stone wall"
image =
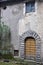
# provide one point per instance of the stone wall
(34, 22)
(40, 24)
(14, 16)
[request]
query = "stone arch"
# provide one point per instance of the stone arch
(38, 43)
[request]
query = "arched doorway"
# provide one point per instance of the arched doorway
(37, 45)
(30, 48)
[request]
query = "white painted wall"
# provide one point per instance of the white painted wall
(11, 17)
(19, 22)
(33, 21)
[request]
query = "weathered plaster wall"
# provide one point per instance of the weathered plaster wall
(40, 24)
(34, 22)
(19, 22)
(11, 16)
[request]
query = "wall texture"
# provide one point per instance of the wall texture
(11, 16)
(19, 22)
(34, 22)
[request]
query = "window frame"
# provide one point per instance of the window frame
(24, 10)
(16, 52)
(29, 5)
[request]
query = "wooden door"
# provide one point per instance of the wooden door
(30, 47)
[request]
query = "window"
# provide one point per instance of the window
(16, 52)
(30, 7)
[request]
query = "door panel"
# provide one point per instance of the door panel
(30, 49)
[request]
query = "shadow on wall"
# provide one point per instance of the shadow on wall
(5, 39)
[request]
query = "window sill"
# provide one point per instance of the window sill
(29, 14)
